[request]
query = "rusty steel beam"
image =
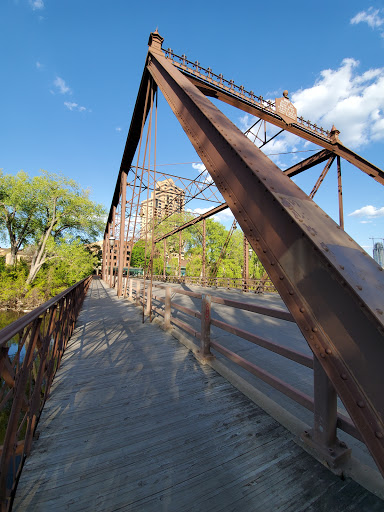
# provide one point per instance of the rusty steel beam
(332, 288)
(201, 217)
(140, 112)
(309, 162)
(336, 147)
(321, 177)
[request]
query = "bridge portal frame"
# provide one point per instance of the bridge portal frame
(301, 248)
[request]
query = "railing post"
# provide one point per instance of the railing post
(167, 311)
(149, 298)
(323, 437)
(205, 344)
(131, 289)
(138, 292)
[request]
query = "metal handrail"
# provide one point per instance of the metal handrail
(342, 422)
(206, 75)
(40, 338)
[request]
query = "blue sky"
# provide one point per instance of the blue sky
(71, 69)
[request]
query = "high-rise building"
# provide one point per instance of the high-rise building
(378, 253)
(168, 199)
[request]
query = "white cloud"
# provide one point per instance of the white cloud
(118, 129)
(36, 4)
(353, 102)
(199, 167)
(224, 216)
(205, 176)
(371, 17)
(39, 65)
(74, 106)
(61, 86)
(368, 211)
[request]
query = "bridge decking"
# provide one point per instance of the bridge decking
(134, 422)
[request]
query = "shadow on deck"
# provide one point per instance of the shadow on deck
(134, 422)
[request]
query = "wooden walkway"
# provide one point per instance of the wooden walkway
(134, 422)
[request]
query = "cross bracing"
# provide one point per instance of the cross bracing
(332, 288)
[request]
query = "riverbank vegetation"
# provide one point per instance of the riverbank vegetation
(218, 262)
(53, 221)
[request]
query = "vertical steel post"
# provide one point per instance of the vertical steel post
(325, 413)
(164, 262)
(245, 264)
(105, 257)
(340, 193)
(205, 326)
(179, 255)
(138, 292)
(122, 248)
(167, 311)
(149, 298)
(323, 437)
(204, 253)
(130, 289)
(108, 257)
(112, 249)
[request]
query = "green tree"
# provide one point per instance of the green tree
(18, 208)
(73, 261)
(42, 210)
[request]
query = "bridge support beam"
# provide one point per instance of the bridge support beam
(323, 437)
(122, 246)
(332, 288)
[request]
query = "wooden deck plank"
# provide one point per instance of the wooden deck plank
(134, 422)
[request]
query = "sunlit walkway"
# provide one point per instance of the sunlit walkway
(134, 422)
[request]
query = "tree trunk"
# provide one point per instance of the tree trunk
(11, 260)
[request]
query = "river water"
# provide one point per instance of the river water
(8, 316)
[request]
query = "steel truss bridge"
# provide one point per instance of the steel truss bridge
(332, 289)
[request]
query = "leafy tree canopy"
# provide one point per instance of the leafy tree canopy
(41, 210)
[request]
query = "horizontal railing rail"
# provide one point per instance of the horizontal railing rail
(218, 81)
(237, 283)
(321, 433)
(30, 353)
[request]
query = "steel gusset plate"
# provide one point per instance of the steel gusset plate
(333, 289)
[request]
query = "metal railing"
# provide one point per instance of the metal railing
(234, 283)
(30, 353)
(326, 420)
(218, 81)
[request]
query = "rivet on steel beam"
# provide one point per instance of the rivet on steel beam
(379, 434)
(281, 278)
(342, 267)
(344, 376)
(306, 328)
(379, 311)
(322, 355)
(317, 346)
(302, 310)
(272, 262)
(361, 404)
(342, 444)
(290, 292)
(328, 351)
(311, 337)
(314, 329)
(306, 433)
(257, 239)
(359, 287)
